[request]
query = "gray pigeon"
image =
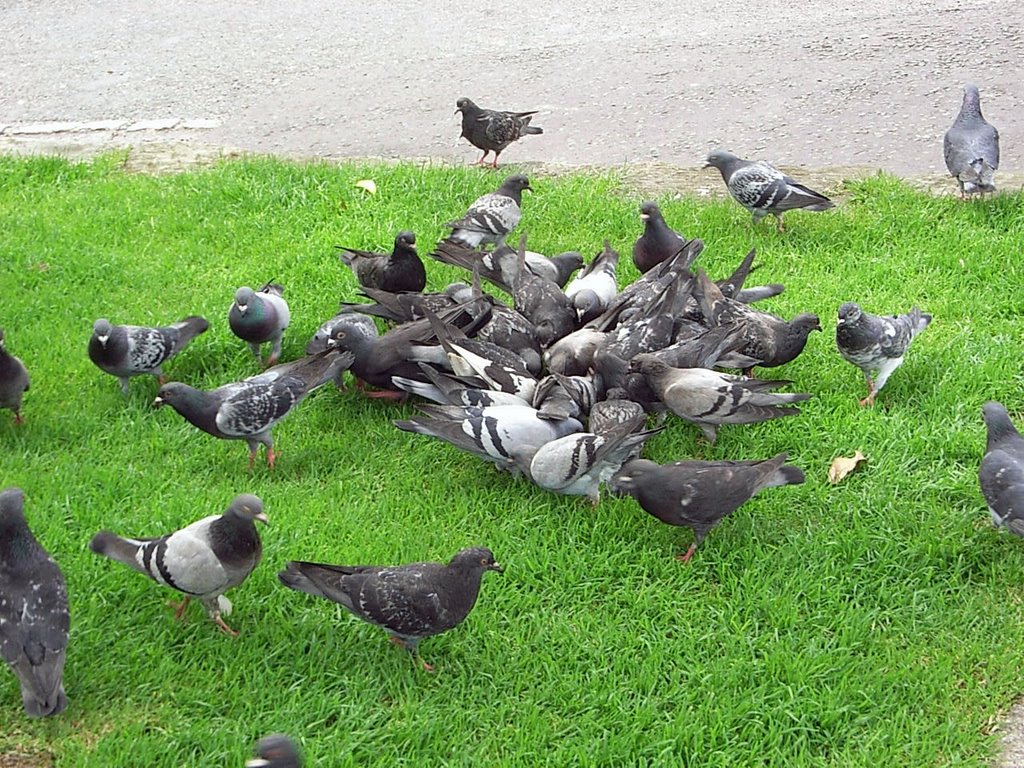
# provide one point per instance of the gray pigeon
(876, 344)
(248, 410)
(492, 130)
(260, 316)
(14, 382)
(494, 433)
(1001, 474)
(710, 399)
(410, 602)
(698, 494)
(971, 147)
(276, 751)
(762, 189)
(34, 618)
(658, 242)
(594, 288)
(492, 216)
(400, 270)
(203, 560)
(576, 465)
(131, 350)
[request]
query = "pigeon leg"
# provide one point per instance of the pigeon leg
(778, 222)
(275, 353)
(483, 157)
(494, 162)
(224, 627)
(124, 383)
(255, 349)
(19, 419)
(685, 557)
(179, 608)
(413, 651)
(387, 394)
(271, 457)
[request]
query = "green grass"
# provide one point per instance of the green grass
(876, 622)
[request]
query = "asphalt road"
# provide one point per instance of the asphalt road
(874, 83)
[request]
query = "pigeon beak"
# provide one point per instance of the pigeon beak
(706, 165)
(257, 762)
(242, 307)
(644, 216)
(262, 517)
(103, 340)
(495, 567)
(158, 402)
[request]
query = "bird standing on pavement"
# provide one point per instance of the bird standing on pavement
(492, 130)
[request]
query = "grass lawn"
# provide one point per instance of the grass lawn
(872, 623)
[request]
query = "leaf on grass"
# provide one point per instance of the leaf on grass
(844, 465)
(368, 184)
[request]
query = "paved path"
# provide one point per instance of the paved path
(814, 83)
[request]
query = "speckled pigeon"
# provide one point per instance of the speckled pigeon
(276, 751)
(971, 147)
(203, 560)
(248, 410)
(404, 307)
(658, 242)
(14, 381)
(400, 270)
(876, 344)
(410, 602)
(492, 130)
(492, 216)
(258, 317)
(131, 350)
(493, 433)
(34, 617)
(698, 494)
(762, 189)
(576, 465)
(710, 399)
(1001, 474)
(445, 390)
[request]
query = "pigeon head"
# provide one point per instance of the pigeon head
(244, 296)
(247, 507)
(630, 476)
(405, 239)
(720, 159)
(647, 364)
(849, 313)
(173, 393)
(806, 322)
(275, 751)
(997, 420)
(475, 558)
(101, 330)
(972, 101)
(12, 502)
(515, 184)
(649, 210)
(464, 104)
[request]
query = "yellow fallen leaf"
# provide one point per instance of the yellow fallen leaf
(368, 184)
(844, 465)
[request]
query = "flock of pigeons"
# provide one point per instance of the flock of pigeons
(555, 386)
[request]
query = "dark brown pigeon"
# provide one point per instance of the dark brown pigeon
(1001, 474)
(492, 130)
(34, 617)
(410, 602)
(203, 560)
(14, 381)
(400, 270)
(698, 494)
(658, 242)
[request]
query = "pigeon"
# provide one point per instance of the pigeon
(594, 288)
(500, 266)
(404, 307)
(275, 751)
(202, 560)
(131, 350)
(1001, 474)
(492, 130)
(762, 189)
(410, 602)
(492, 216)
(260, 316)
(401, 270)
(577, 464)
(493, 433)
(710, 399)
(971, 147)
(14, 381)
(248, 410)
(658, 242)
(876, 344)
(698, 494)
(34, 617)
(352, 322)
(445, 390)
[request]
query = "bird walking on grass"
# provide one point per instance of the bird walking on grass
(492, 130)
(1001, 474)
(258, 317)
(14, 381)
(131, 350)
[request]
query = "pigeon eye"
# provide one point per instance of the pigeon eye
(483, 561)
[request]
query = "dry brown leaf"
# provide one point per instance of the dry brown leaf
(368, 184)
(844, 465)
